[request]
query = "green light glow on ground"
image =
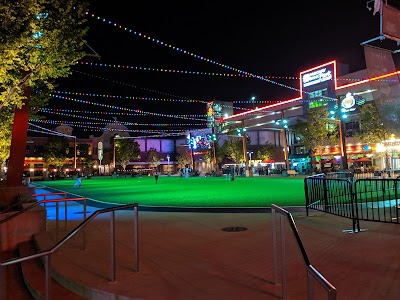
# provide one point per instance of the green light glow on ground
(192, 192)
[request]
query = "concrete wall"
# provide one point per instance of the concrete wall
(22, 227)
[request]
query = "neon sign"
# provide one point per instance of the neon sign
(316, 77)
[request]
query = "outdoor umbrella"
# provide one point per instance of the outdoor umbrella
(268, 161)
(363, 159)
(350, 160)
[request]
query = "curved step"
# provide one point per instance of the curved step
(34, 276)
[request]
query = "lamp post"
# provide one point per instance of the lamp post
(74, 153)
(249, 153)
(168, 157)
(241, 132)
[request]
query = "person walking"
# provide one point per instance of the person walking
(156, 177)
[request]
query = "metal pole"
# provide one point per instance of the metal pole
(114, 156)
(136, 240)
(246, 164)
(168, 157)
(343, 153)
(283, 258)
(215, 158)
(274, 247)
(75, 153)
(285, 147)
(112, 245)
(84, 228)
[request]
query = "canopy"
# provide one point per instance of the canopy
(268, 161)
(363, 159)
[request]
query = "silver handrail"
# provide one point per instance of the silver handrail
(311, 271)
(57, 201)
(47, 253)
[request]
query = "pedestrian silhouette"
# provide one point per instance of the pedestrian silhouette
(156, 177)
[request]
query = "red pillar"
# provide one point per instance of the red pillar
(18, 142)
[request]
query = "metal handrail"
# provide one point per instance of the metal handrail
(47, 253)
(44, 201)
(311, 271)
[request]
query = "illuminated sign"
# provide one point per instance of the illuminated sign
(348, 103)
(100, 150)
(317, 76)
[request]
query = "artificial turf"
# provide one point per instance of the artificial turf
(174, 191)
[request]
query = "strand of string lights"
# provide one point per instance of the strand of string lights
(154, 91)
(90, 128)
(186, 52)
(120, 108)
(59, 110)
(48, 131)
(160, 99)
(91, 124)
(164, 70)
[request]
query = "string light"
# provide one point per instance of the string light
(59, 110)
(106, 122)
(163, 70)
(120, 108)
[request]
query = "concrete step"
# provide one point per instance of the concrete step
(15, 285)
(80, 271)
(34, 276)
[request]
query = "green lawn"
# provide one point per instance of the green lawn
(192, 192)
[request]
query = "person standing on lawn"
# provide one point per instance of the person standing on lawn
(156, 177)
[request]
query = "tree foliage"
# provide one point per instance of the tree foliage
(153, 157)
(39, 41)
(316, 131)
(372, 128)
(55, 151)
(233, 149)
(126, 150)
(183, 158)
(266, 152)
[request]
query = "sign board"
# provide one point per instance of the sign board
(100, 150)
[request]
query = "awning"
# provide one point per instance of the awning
(363, 159)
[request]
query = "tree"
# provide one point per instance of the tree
(266, 152)
(233, 148)
(126, 150)
(372, 129)
(184, 157)
(153, 157)
(39, 41)
(55, 151)
(316, 131)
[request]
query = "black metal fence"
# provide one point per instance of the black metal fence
(340, 193)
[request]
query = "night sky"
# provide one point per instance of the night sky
(267, 38)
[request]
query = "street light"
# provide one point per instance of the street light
(249, 153)
(74, 153)
(168, 157)
(241, 132)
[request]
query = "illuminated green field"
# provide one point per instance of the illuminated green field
(192, 192)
